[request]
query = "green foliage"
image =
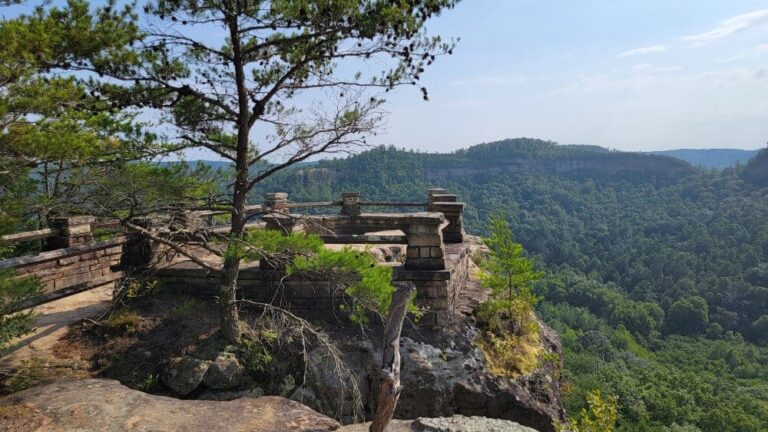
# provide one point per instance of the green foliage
(185, 309)
(600, 415)
(30, 372)
(256, 354)
(150, 383)
(15, 292)
(125, 321)
(511, 342)
(756, 170)
(368, 284)
(509, 274)
(141, 188)
(688, 316)
(264, 243)
(138, 288)
(57, 135)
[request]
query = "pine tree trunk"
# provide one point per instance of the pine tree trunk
(230, 321)
(389, 388)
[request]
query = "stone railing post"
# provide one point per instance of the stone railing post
(350, 204)
(448, 204)
(280, 222)
(454, 232)
(276, 202)
(182, 219)
(431, 193)
(73, 230)
(425, 245)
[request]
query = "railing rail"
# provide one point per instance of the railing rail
(29, 235)
(275, 202)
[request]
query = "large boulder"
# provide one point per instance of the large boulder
(344, 396)
(107, 405)
(225, 372)
(460, 423)
(184, 374)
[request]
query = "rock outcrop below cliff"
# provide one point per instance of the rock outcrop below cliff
(444, 377)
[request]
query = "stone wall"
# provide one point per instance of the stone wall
(72, 269)
(437, 290)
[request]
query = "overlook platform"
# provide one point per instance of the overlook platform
(426, 248)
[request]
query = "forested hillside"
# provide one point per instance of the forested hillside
(711, 158)
(657, 272)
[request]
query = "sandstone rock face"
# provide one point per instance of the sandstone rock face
(450, 382)
(224, 373)
(184, 374)
(107, 405)
(442, 382)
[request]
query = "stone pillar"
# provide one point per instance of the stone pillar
(280, 222)
(440, 198)
(425, 246)
(182, 219)
(350, 204)
(454, 232)
(73, 230)
(431, 193)
(276, 202)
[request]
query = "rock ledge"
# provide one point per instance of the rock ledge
(107, 405)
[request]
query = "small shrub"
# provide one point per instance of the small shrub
(124, 321)
(256, 353)
(29, 373)
(137, 289)
(15, 293)
(184, 309)
(149, 383)
(510, 355)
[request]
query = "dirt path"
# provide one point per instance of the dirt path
(53, 322)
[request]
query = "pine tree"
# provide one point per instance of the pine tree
(509, 274)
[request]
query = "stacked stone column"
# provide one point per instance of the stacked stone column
(425, 245)
(277, 218)
(73, 230)
(276, 202)
(447, 204)
(350, 204)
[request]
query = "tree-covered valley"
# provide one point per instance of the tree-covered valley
(656, 272)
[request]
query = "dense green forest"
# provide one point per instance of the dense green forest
(711, 158)
(657, 272)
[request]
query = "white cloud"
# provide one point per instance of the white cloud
(731, 26)
(645, 76)
(644, 51)
(762, 49)
(490, 80)
(735, 76)
(601, 83)
(646, 68)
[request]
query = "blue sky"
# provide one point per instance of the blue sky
(630, 75)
